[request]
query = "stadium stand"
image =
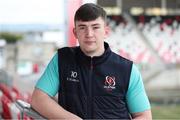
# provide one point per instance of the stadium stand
(161, 32)
(125, 40)
(8, 97)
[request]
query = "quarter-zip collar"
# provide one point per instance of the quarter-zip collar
(87, 60)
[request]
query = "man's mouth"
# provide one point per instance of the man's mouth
(89, 42)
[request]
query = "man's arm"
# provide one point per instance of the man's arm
(48, 108)
(146, 115)
(137, 100)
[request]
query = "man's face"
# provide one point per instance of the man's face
(91, 35)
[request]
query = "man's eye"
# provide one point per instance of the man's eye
(82, 28)
(96, 27)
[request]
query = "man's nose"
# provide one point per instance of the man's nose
(89, 32)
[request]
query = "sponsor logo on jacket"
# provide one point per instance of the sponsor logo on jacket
(109, 83)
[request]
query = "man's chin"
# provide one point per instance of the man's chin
(89, 51)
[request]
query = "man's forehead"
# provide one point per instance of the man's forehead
(97, 21)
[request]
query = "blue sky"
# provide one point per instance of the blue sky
(32, 11)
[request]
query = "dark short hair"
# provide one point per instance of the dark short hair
(88, 12)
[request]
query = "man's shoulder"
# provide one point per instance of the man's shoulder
(121, 58)
(68, 51)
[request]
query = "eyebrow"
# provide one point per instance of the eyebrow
(96, 24)
(82, 25)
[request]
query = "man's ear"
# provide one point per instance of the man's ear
(74, 32)
(107, 31)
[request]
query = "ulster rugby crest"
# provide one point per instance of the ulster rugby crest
(109, 83)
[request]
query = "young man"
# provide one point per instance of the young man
(92, 82)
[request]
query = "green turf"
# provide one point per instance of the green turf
(165, 111)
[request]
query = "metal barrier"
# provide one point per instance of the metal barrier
(26, 110)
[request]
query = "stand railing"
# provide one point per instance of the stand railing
(26, 110)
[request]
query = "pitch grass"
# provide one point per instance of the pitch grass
(165, 111)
